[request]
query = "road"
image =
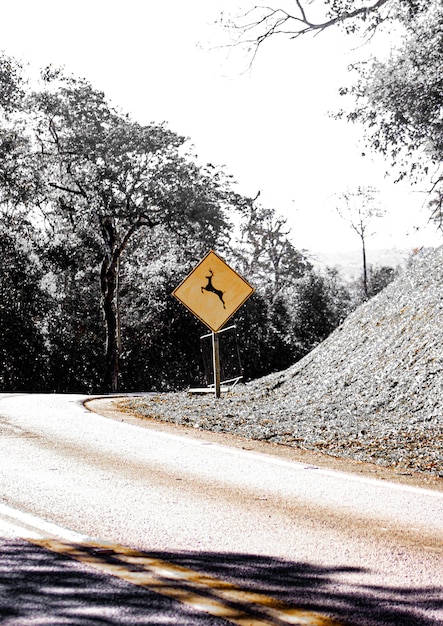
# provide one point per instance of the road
(104, 521)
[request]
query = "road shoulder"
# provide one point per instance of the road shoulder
(112, 408)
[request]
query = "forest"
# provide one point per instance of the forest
(102, 218)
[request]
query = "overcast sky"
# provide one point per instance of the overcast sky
(269, 126)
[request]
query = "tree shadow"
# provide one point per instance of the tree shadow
(41, 587)
(319, 590)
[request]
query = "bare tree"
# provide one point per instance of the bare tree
(359, 208)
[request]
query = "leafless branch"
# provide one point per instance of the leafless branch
(264, 22)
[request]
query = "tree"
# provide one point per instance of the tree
(122, 214)
(95, 184)
(359, 208)
(12, 84)
(88, 167)
(161, 338)
(318, 305)
(102, 172)
(264, 251)
(260, 23)
(398, 100)
(23, 304)
(294, 307)
(399, 103)
(380, 277)
(265, 339)
(17, 182)
(74, 329)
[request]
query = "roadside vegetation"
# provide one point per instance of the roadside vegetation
(101, 218)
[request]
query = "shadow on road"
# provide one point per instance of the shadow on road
(40, 587)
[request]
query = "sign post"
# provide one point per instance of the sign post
(213, 292)
(216, 354)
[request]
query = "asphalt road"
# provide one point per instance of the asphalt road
(107, 522)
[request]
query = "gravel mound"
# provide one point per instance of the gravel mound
(371, 392)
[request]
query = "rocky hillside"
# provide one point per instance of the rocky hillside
(384, 364)
(373, 391)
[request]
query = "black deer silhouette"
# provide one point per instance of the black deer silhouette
(210, 287)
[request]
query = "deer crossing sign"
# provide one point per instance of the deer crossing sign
(213, 291)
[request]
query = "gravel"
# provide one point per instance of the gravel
(371, 392)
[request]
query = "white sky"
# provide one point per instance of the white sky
(269, 126)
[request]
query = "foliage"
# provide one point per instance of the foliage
(398, 100)
(404, 93)
(161, 339)
(318, 305)
(294, 307)
(163, 346)
(380, 277)
(96, 171)
(264, 251)
(359, 208)
(102, 219)
(274, 336)
(23, 305)
(263, 337)
(12, 84)
(74, 328)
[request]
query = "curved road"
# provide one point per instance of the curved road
(104, 521)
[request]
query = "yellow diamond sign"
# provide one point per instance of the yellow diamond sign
(213, 291)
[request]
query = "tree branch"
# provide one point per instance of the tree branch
(274, 19)
(67, 189)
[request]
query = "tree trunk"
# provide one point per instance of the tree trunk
(109, 279)
(110, 287)
(109, 282)
(365, 269)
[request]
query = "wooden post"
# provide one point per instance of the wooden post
(216, 354)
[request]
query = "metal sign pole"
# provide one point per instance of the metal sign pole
(216, 354)
(213, 292)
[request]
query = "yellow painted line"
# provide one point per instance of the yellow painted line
(222, 589)
(204, 593)
(158, 585)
